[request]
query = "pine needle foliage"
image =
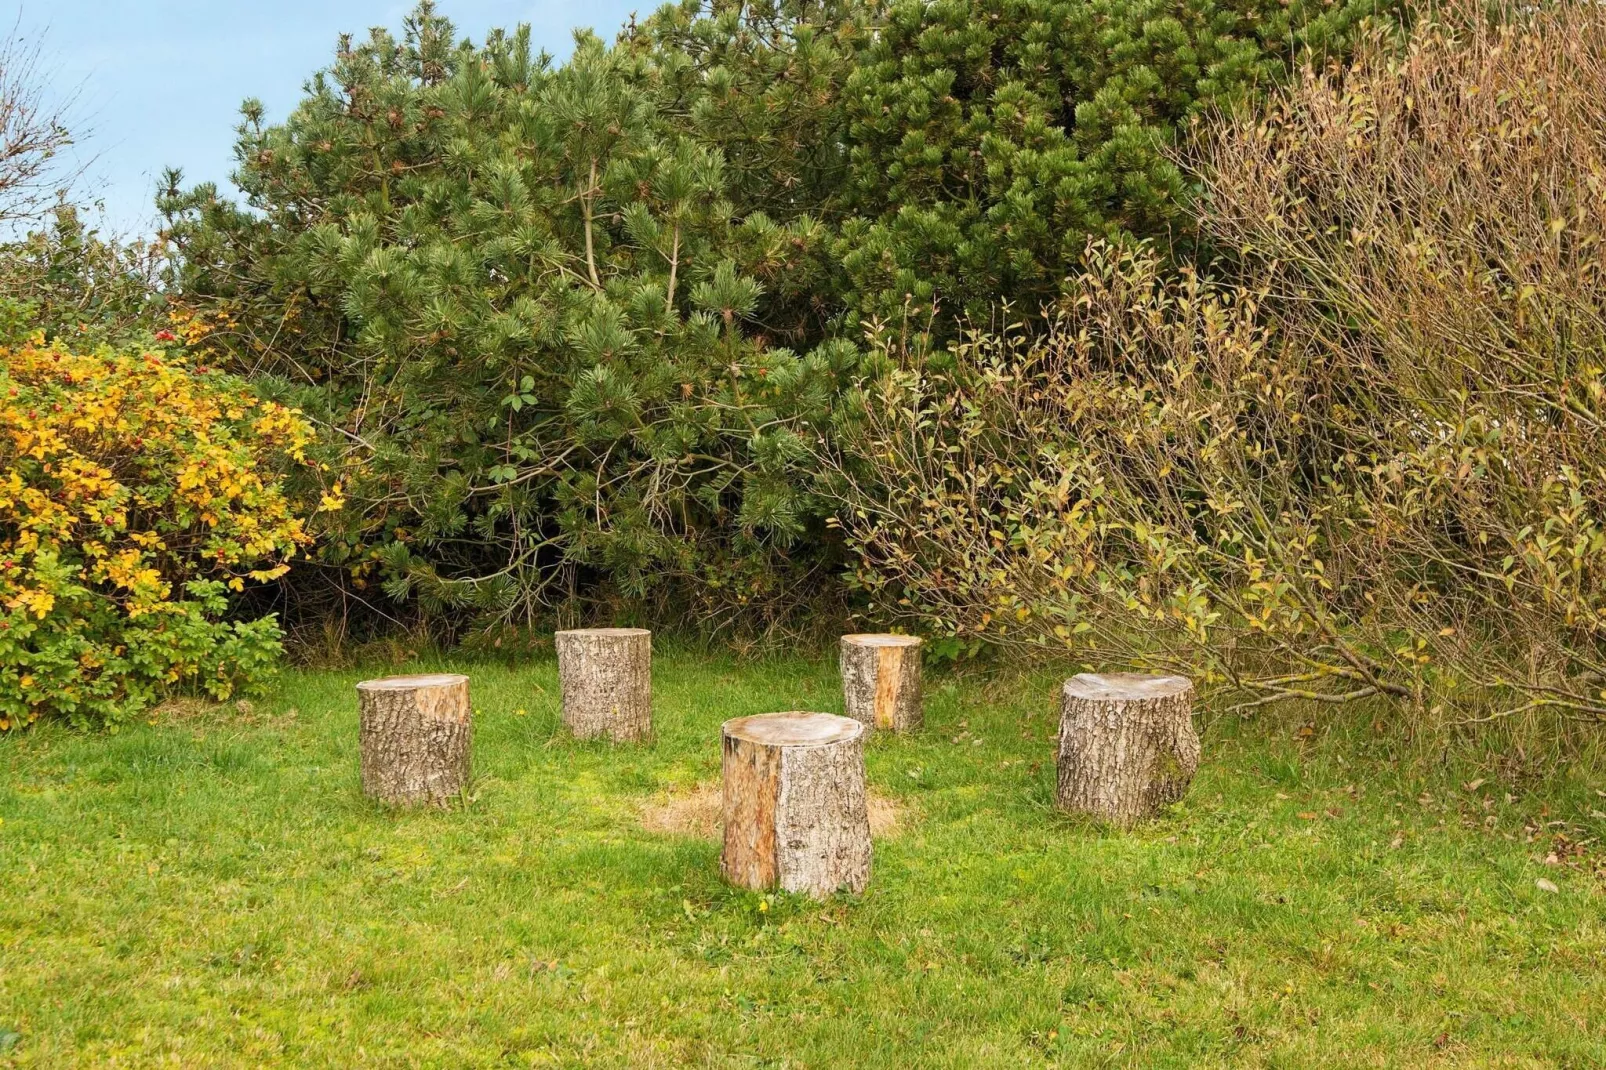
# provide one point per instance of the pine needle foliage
(988, 141)
(522, 303)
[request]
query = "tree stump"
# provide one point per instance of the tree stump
(881, 680)
(606, 677)
(415, 733)
(1127, 745)
(794, 805)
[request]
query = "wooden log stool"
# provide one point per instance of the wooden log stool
(1126, 746)
(414, 735)
(794, 806)
(881, 681)
(606, 678)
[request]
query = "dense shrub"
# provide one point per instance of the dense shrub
(988, 140)
(960, 153)
(136, 493)
(70, 281)
(524, 305)
(1435, 222)
(1374, 467)
(573, 329)
(1069, 490)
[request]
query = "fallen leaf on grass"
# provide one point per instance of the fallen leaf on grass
(1545, 885)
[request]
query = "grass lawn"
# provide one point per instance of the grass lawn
(212, 890)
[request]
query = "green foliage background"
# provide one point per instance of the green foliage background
(571, 330)
(989, 140)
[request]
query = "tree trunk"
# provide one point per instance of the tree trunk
(1127, 745)
(881, 681)
(794, 806)
(606, 676)
(415, 733)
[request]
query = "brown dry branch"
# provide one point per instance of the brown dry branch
(33, 134)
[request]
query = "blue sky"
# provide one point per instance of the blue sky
(159, 82)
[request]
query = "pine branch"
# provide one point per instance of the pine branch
(674, 264)
(585, 207)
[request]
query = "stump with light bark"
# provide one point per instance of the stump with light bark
(794, 804)
(414, 735)
(881, 680)
(606, 678)
(1126, 745)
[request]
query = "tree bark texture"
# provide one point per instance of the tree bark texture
(606, 678)
(794, 804)
(415, 733)
(881, 681)
(1126, 746)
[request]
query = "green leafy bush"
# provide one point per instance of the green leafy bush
(78, 286)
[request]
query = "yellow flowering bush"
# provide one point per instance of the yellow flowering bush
(136, 493)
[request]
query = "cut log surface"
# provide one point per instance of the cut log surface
(794, 804)
(415, 733)
(606, 677)
(881, 681)
(1126, 746)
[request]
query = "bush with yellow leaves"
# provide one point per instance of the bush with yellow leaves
(136, 493)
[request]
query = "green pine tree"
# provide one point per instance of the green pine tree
(523, 305)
